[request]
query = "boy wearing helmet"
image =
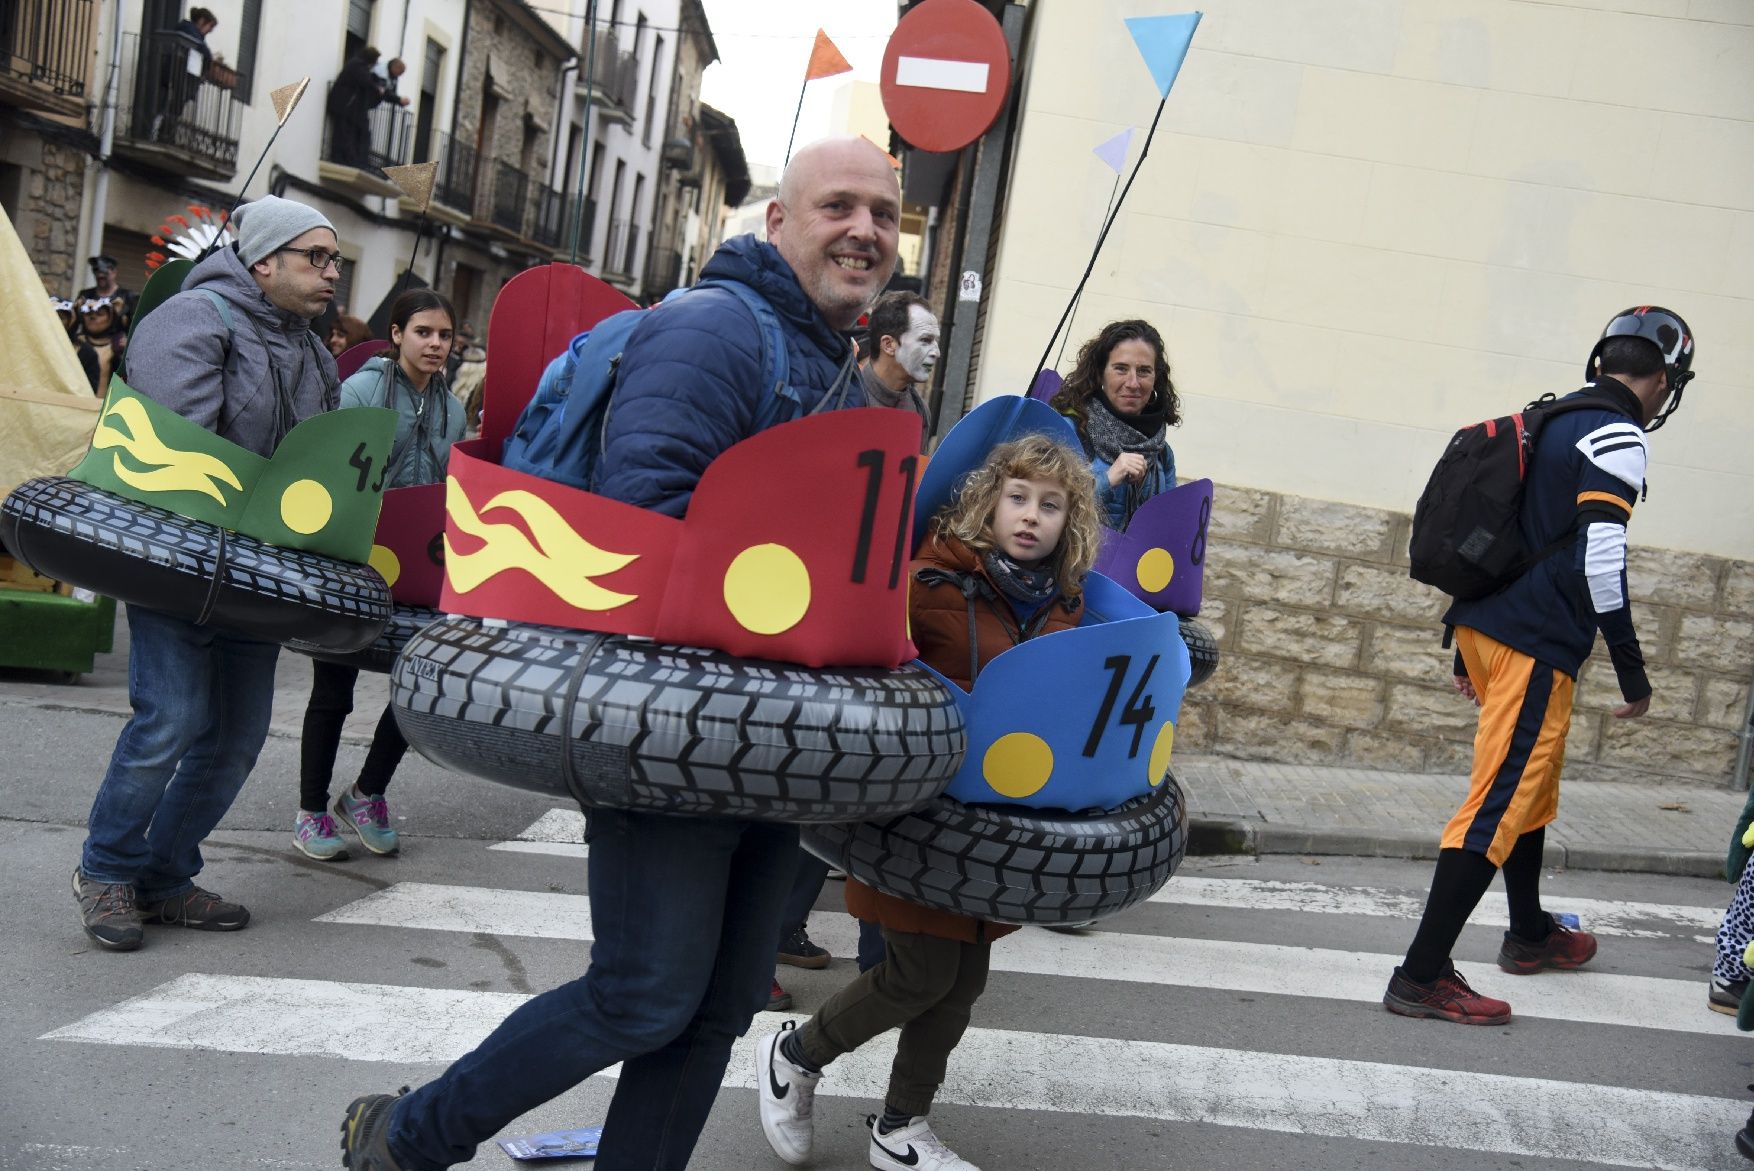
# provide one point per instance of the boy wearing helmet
(1518, 654)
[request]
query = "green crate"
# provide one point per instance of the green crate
(51, 632)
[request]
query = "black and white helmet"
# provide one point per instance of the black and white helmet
(1664, 329)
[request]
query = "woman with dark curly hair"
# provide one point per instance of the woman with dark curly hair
(1120, 398)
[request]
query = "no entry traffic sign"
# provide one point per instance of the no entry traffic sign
(945, 74)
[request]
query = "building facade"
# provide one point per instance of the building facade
(1356, 236)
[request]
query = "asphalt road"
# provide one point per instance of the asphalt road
(1234, 1021)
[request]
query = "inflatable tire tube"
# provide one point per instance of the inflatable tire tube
(627, 723)
(1009, 864)
(1202, 651)
(190, 569)
(380, 656)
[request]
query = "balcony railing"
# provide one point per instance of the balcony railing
(616, 74)
(384, 141)
(454, 185)
(623, 247)
(511, 197)
(548, 215)
(44, 50)
(163, 109)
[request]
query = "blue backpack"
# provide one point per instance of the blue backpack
(560, 435)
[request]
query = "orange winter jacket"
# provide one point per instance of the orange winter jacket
(961, 622)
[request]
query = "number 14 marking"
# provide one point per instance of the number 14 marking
(1138, 710)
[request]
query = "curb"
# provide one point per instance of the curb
(1217, 836)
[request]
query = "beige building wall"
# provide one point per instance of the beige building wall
(1364, 223)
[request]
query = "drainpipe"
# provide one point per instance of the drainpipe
(100, 193)
(562, 124)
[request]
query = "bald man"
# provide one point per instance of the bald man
(684, 910)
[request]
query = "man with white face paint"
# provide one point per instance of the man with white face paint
(901, 350)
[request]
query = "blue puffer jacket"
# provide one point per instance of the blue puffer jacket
(689, 383)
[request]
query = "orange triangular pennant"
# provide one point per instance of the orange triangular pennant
(825, 59)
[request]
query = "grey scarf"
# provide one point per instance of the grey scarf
(1110, 435)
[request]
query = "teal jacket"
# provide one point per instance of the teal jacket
(426, 424)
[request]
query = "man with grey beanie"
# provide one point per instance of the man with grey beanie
(233, 352)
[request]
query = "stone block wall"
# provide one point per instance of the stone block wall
(1332, 655)
(48, 213)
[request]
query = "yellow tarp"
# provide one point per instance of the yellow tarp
(47, 410)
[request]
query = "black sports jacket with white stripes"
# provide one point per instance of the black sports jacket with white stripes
(1587, 473)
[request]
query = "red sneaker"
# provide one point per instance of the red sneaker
(1563, 948)
(779, 999)
(1447, 997)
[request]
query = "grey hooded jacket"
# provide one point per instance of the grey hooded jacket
(249, 383)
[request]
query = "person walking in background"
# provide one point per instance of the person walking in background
(901, 351)
(103, 284)
(408, 378)
(1005, 562)
(1120, 398)
(685, 910)
(202, 698)
(1518, 654)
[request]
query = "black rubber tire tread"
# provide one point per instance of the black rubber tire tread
(405, 622)
(626, 723)
(1202, 651)
(1011, 864)
(133, 552)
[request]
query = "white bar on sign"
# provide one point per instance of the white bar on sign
(936, 73)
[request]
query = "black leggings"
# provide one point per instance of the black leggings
(330, 704)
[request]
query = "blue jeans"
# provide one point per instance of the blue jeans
(685, 912)
(202, 700)
(807, 883)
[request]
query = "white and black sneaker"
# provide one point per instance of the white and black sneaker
(788, 1099)
(913, 1148)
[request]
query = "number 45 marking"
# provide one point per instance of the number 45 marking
(1138, 711)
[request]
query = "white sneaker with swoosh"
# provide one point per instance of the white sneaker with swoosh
(788, 1099)
(913, 1148)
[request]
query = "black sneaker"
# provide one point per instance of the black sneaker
(798, 951)
(108, 912)
(1725, 996)
(365, 1134)
(201, 909)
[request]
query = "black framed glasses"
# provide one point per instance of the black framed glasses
(320, 258)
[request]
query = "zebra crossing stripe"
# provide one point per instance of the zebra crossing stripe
(1016, 1070)
(561, 832)
(1599, 916)
(1591, 997)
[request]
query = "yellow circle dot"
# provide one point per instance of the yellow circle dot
(1018, 765)
(767, 589)
(1160, 750)
(1155, 570)
(306, 506)
(388, 565)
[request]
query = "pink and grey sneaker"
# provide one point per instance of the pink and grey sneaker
(314, 835)
(369, 817)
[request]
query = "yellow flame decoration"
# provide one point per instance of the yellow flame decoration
(559, 558)
(175, 471)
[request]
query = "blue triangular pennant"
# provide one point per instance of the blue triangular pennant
(1163, 42)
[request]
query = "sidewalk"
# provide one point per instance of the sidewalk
(1234, 806)
(1256, 807)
